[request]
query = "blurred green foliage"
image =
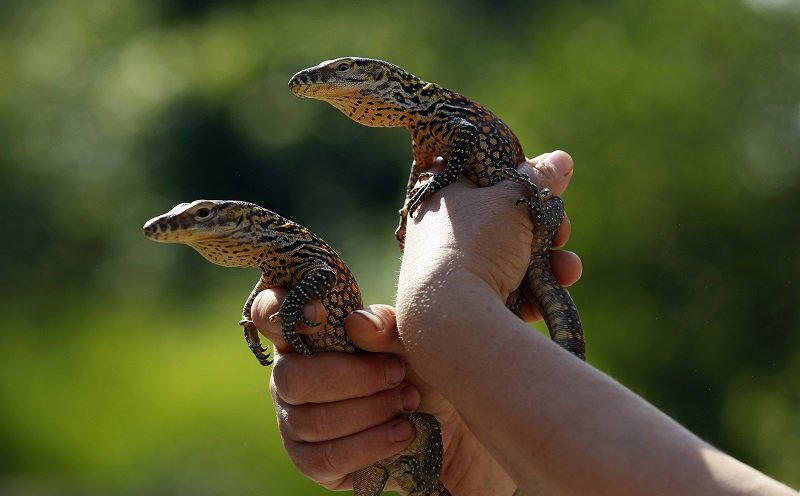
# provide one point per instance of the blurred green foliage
(122, 369)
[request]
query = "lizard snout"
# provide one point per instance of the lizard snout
(152, 228)
(298, 82)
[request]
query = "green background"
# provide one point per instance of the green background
(122, 369)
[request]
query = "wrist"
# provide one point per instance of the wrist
(435, 308)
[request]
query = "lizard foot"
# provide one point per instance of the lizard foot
(419, 194)
(547, 209)
(290, 335)
(308, 323)
(254, 342)
(432, 183)
(275, 317)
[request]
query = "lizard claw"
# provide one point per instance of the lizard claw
(309, 323)
(275, 317)
(261, 354)
(421, 192)
(428, 183)
(526, 201)
(425, 177)
(534, 202)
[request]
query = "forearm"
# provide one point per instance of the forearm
(572, 430)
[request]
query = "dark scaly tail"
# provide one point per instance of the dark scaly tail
(559, 311)
(557, 307)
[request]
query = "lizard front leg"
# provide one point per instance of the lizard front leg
(250, 330)
(413, 176)
(419, 165)
(464, 142)
(319, 279)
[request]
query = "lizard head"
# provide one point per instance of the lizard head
(369, 91)
(220, 230)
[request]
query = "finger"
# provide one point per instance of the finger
(317, 422)
(564, 230)
(329, 462)
(567, 267)
(529, 312)
(268, 303)
(539, 158)
(439, 164)
(374, 329)
(326, 377)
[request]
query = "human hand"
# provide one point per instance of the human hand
(481, 231)
(338, 413)
(333, 425)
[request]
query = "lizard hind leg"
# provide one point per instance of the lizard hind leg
(254, 342)
(547, 209)
(464, 140)
(418, 468)
(415, 197)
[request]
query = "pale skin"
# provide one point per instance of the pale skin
(516, 410)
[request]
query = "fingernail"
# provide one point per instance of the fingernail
(560, 161)
(372, 318)
(394, 371)
(409, 398)
(402, 431)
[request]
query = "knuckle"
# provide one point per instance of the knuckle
(311, 422)
(291, 384)
(286, 423)
(329, 461)
(320, 462)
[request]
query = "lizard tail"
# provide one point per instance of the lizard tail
(559, 311)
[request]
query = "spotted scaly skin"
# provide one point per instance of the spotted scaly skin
(473, 141)
(240, 234)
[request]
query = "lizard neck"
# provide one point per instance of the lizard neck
(254, 244)
(402, 100)
(237, 250)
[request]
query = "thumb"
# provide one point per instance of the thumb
(374, 329)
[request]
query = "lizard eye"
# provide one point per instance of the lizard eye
(202, 213)
(342, 67)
